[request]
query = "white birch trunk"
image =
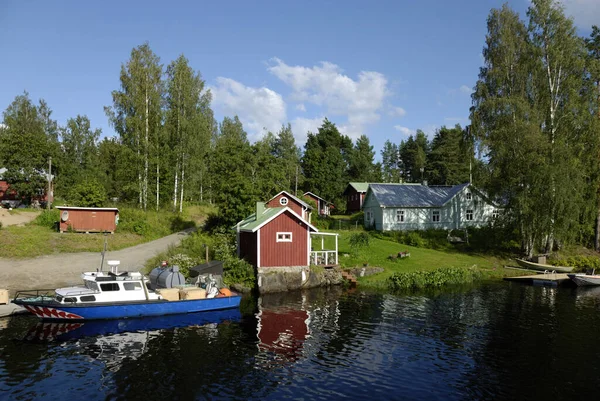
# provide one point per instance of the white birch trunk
(146, 153)
(182, 184)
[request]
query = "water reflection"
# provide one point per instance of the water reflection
(497, 341)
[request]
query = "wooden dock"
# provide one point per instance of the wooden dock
(544, 279)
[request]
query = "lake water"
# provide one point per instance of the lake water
(497, 341)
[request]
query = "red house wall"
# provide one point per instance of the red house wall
(276, 254)
(89, 220)
(248, 247)
(354, 205)
(292, 204)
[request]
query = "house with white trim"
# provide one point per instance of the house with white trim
(400, 207)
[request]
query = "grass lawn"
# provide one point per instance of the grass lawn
(34, 240)
(421, 259)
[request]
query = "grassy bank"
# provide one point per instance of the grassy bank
(40, 237)
(460, 266)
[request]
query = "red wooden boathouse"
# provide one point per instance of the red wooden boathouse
(88, 219)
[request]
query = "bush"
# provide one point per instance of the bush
(184, 262)
(432, 279)
(48, 218)
(580, 263)
(88, 194)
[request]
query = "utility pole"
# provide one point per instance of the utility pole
(49, 183)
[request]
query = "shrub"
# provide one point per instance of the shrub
(48, 218)
(88, 194)
(359, 240)
(432, 279)
(184, 262)
(580, 263)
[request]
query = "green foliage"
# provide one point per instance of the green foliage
(432, 279)
(236, 271)
(184, 262)
(359, 240)
(580, 263)
(48, 218)
(150, 224)
(448, 160)
(88, 194)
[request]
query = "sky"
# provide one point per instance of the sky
(379, 68)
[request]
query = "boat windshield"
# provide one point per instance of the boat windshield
(59, 298)
(91, 285)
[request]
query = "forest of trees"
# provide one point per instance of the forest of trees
(533, 142)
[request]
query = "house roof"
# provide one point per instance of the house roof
(411, 195)
(358, 186)
(114, 209)
(252, 223)
(300, 201)
(316, 196)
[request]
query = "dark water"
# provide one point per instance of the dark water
(496, 341)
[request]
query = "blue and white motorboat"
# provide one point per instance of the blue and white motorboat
(122, 295)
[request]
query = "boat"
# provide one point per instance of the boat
(543, 267)
(585, 279)
(122, 295)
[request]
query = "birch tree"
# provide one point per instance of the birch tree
(189, 123)
(136, 112)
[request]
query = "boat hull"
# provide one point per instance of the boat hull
(584, 280)
(125, 310)
(542, 267)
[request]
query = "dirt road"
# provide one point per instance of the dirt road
(16, 218)
(53, 271)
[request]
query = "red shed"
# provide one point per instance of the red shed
(88, 219)
(323, 207)
(274, 237)
(355, 196)
(285, 199)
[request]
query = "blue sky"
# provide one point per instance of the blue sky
(382, 68)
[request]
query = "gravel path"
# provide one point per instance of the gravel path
(54, 271)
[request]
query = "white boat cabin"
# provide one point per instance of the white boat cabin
(101, 287)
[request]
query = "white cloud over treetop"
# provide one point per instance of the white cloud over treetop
(360, 100)
(257, 108)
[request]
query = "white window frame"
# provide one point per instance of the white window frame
(400, 216)
(469, 215)
(283, 201)
(495, 214)
(434, 214)
(284, 237)
(469, 196)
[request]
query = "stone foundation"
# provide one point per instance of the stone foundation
(280, 279)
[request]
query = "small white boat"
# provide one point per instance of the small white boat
(542, 266)
(583, 279)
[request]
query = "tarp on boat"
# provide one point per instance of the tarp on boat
(214, 267)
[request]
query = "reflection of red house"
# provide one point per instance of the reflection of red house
(283, 331)
(323, 207)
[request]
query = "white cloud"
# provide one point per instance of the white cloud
(257, 108)
(585, 12)
(302, 126)
(397, 112)
(360, 101)
(300, 107)
(404, 130)
(465, 89)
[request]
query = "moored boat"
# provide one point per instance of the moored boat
(121, 295)
(543, 267)
(583, 279)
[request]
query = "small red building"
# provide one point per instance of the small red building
(323, 207)
(88, 219)
(275, 236)
(355, 195)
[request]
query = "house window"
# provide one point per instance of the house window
(284, 237)
(400, 216)
(369, 215)
(469, 214)
(469, 196)
(435, 216)
(495, 214)
(283, 201)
